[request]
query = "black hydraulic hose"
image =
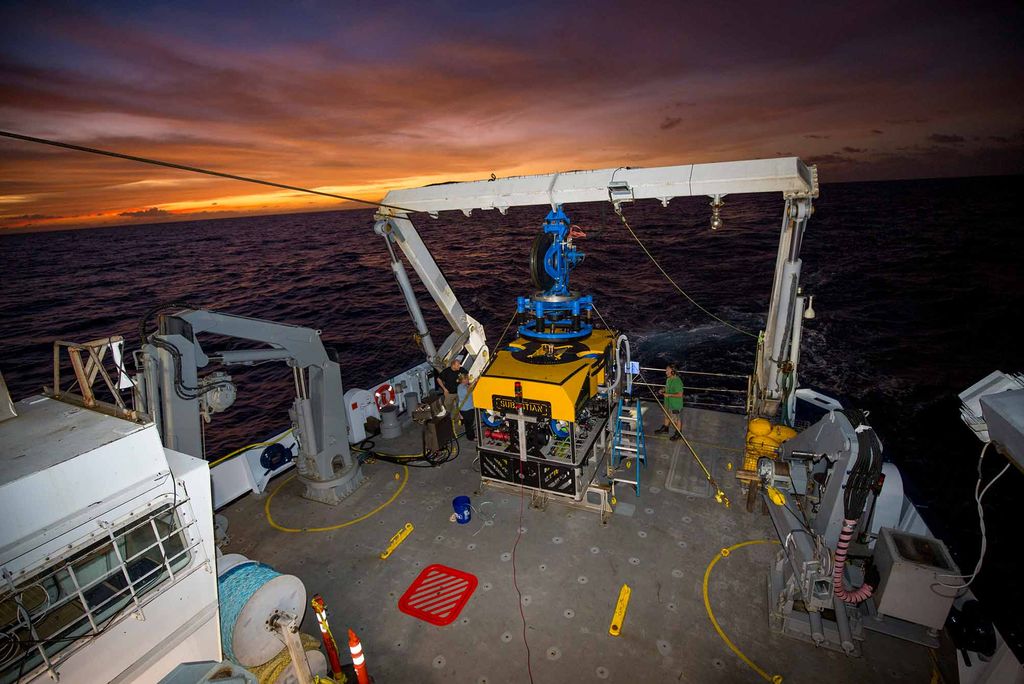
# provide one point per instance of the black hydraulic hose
(867, 469)
(862, 478)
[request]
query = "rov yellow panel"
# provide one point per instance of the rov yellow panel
(559, 384)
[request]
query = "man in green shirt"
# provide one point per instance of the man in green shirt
(673, 394)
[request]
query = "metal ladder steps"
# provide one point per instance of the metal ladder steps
(620, 447)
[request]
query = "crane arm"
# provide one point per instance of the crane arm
(173, 391)
(467, 333)
(778, 355)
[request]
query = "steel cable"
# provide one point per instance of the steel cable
(194, 169)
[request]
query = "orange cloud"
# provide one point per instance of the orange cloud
(378, 102)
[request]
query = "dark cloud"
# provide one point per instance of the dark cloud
(32, 217)
(946, 138)
(152, 212)
(677, 104)
(829, 159)
(373, 100)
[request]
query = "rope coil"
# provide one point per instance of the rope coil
(271, 671)
(236, 587)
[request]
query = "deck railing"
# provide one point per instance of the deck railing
(90, 361)
(717, 391)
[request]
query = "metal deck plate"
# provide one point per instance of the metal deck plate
(569, 568)
(710, 435)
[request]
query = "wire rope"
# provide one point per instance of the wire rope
(618, 210)
(194, 169)
(720, 496)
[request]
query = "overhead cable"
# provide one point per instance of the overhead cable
(618, 210)
(194, 169)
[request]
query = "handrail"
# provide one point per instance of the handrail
(86, 371)
(693, 388)
(686, 372)
(696, 393)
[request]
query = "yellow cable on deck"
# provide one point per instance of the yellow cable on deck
(378, 509)
(270, 671)
(251, 446)
(724, 553)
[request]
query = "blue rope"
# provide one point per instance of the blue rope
(237, 586)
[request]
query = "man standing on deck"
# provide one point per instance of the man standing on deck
(673, 394)
(466, 406)
(448, 381)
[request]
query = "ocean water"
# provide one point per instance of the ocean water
(917, 285)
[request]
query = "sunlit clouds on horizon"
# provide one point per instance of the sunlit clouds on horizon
(358, 101)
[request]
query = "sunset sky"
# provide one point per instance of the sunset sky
(357, 98)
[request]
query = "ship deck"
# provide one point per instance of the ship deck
(569, 567)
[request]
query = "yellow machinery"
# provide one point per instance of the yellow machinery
(560, 377)
(543, 401)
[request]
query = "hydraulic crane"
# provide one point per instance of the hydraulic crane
(170, 389)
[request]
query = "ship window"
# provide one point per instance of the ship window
(80, 597)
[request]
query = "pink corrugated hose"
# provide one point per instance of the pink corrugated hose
(865, 590)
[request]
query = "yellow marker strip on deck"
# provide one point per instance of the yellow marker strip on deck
(620, 611)
(396, 540)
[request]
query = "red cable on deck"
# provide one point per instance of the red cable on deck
(515, 583)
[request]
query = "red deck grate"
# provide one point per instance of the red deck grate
(438, 595)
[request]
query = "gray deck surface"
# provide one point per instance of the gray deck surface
(569, 568)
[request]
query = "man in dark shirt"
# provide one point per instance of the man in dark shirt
(448, 381)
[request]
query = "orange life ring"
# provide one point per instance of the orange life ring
(384, 396)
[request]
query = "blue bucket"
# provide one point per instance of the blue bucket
(463, 512)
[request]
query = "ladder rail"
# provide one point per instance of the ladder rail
(629, 413)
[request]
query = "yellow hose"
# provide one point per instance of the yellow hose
(724, 553)
(269, 671)
(280, 528)
(250, 446)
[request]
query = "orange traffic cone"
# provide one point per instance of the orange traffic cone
(358, 660)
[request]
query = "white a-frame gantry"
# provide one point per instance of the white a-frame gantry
(779, 348)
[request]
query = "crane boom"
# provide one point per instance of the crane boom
(778, 351)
